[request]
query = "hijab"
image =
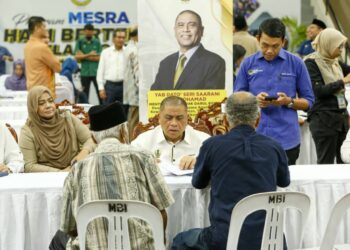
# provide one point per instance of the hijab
(55, 137)
(69, 67)
(15, 82)
(324, 44)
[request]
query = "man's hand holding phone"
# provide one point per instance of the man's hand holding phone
(282, 100)
(263, 103)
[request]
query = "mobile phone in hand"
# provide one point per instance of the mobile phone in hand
(271, 98)
(3, 174)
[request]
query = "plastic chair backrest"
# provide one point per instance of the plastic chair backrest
(118, 212)
(275, 204)
(334, 220)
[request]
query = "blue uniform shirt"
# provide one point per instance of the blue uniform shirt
(305, 48)
(286, 73)
(3, 52)
(237, 164)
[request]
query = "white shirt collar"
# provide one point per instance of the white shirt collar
(114, 49)
(159, 137)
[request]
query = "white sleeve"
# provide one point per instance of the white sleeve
(13, 157)
(345, 149)
(101, 70)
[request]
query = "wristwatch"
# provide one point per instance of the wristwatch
(291, 104)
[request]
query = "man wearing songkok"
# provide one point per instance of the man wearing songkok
(311, 32)
(237, 164)
(173, 140)
(114, 171)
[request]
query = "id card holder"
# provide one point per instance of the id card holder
(341, 101)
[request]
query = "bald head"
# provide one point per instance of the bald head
(242, 108)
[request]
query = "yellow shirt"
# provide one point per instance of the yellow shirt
(41, 64)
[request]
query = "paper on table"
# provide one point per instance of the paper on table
(168, 168)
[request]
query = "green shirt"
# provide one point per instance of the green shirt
(88, 68)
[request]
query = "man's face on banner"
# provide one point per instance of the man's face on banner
(188, 31)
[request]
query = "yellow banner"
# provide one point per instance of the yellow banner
(196, 99)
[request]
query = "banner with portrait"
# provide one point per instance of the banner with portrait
(185, 49)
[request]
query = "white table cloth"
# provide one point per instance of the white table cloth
(13, 102)
(30, 206)
(13, 113)
(15, 94)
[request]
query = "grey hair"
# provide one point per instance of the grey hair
(119, 132)
(242, 108)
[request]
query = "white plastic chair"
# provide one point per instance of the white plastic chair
(332, 228)
(118, 212)
(275, 204)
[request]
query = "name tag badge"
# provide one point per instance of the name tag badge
(341, 101)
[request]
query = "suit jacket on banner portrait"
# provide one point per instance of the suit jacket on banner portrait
(204, 70)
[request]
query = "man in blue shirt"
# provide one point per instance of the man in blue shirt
(281, 83)
(5, 55)
(312, 31)
(237, 164)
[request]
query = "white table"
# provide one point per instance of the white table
(13, 113)
(15, 94)
(30, 206)
(307, 153)
(13, 102)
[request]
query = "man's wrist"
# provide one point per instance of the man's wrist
(291, 103)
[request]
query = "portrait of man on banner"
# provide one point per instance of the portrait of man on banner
(192, 67)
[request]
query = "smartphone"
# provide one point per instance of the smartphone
(271, 98)
(3, 174)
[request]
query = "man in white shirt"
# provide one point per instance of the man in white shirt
(11, 159)
(173, 141)
(110, 72)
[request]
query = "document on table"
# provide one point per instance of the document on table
(168, 168)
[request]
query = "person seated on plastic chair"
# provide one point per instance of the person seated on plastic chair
(11, 159)
(237, 164)
(114, 171)
(52, 140)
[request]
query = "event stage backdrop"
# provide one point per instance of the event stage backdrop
(65, 19)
